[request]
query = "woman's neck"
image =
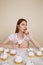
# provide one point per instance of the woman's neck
(20, 35)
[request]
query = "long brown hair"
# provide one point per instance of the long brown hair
(18, 23)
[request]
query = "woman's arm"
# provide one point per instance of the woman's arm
(6, 41)
(4, 44)
(35, 43)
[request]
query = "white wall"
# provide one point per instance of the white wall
(12, 10)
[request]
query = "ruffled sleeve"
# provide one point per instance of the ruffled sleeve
(11, 37)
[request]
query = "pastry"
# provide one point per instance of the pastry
(38, 53)
(41, 49)
(12, 52)
(1, 49)
(18, 60)
(29, 63)
(4, 56)
(31, 54)
(6, 50)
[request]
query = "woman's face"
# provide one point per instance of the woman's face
(23, 26)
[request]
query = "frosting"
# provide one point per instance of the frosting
(6, 50)
(38, 52)
(1, 48)
(18, 59)
(13, 51)
(29, 63)
(31, 53)
(41, 49)
(4, 55)
(5, 64)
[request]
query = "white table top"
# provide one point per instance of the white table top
(22, 52)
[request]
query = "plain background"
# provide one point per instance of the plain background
(12, 10)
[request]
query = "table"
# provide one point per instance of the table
(22, 52)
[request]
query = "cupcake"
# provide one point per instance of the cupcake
(4, 56)
(31, 54)
(6, 50)
(29, 63)
(41, 49)
(18, 60)
(5, 64)
(38, 53)
(12, 52)
(1, 49)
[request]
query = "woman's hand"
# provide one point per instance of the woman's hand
(26, 32)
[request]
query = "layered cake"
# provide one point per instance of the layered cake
(18, 60)
(12, 52)
(4, 56)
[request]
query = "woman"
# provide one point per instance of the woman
(21, 37)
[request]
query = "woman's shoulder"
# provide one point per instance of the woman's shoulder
(12, 36)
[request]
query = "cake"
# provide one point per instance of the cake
(18, 60)
(4, 56)
(12, 52)
(41, 49)
(5, 64)
(6, 50)
(31, 54)
(29, 63)
(1, 49)
(38, 53)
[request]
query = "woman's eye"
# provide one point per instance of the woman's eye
(22, 24)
